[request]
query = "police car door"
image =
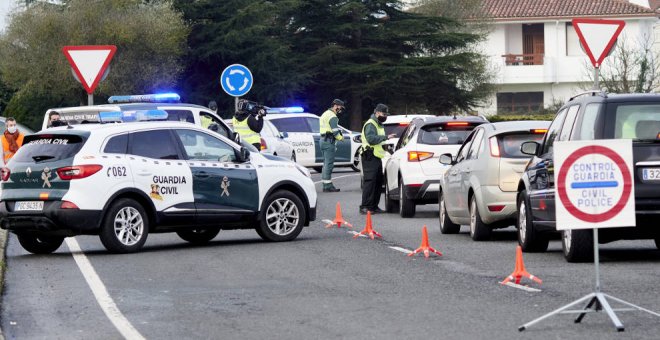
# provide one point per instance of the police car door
(225, 190)
(344, 153)
(301, 137)
(161, 173)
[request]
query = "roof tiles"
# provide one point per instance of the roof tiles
(520, 9)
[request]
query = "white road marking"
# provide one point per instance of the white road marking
(403, 250)
(338, 177)
(101, 293)
(326, 222)
(525, 288)
(356, 233)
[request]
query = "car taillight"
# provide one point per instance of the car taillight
(457, 124)
(539, 131)
(418, 156)
(5, 174)
(494, 147)
(404, 124)
(264, 146)
(78, 171)
(68, 205)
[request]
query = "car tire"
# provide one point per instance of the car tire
(391, 206)
(281, 209)
(40, 244)
(318, 168)
(529, 239)
(406, 205)
(198, 235)
(479, 231)
(578, 245)
(446, 225)
(125, 227)
(657, 242)
(356, 162)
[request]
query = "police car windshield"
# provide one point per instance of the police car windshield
(297, 124)
(637, 122)
(48, 148)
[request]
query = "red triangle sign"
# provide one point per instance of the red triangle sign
(598, 37)
(89, 62)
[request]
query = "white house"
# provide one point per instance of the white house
(535, 51)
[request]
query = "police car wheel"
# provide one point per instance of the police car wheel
(198, 236)
(283, 217)
(40, 244)
(125, 227)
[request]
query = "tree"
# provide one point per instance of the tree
(150, 38)
(371, 51)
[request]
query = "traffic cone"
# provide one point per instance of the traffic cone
(339, 220)
(519, 272)
(424, 247)
(368, 230)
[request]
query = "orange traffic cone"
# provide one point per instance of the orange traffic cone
(519, 272)
(339, 220)
(368, 230)
(424, 247)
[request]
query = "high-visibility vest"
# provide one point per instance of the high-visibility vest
(378, 149)
(325, 125)
(243, 130)
(6, 154)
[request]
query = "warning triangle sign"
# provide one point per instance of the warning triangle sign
(598, 37)
(89, 63)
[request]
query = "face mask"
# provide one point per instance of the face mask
(340, 110)
(11, 129)
(382, 119)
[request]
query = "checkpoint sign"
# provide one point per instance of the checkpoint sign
(236, 80)
(594, 183)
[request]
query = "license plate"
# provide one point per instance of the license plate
(651, 174)
(29, 206)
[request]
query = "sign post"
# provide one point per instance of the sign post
(89, 64)
(597, 38)
(594, 189)
(236, 80)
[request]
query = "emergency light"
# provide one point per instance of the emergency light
(146, 98)
(290, 109)
(132, 116)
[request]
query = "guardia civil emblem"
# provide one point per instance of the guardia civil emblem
(224, 185)
(45, 176)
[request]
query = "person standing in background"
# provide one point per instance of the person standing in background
(12, 139)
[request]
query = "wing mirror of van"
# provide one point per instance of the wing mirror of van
(529, 148)
(446, 159)
(283, 134)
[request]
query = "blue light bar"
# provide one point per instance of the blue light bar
(132, 116)
(146, 98)
(290, 109)
(110, 116)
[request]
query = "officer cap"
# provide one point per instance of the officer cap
(338, 102)
(381, 108)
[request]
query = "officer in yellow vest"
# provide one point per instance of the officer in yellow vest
(373, 136)
(248, 126)
(330, 134)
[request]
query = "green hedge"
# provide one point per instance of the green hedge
(505, 118)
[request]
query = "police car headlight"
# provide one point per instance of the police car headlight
(303, 170)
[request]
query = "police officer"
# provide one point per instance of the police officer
(373, 136)
(330, 134)
(248, 126)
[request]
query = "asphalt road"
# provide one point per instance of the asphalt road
(324, 285)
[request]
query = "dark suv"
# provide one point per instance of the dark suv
(590, 116)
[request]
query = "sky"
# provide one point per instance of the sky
(5, 7)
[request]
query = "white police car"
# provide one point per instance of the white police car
(272, 141)
(124, 181)
(302, 130)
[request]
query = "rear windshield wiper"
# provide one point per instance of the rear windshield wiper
(41, 158)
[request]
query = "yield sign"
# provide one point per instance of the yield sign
(89, 62)
(598, 37)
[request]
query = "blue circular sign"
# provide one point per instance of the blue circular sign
(236, 80)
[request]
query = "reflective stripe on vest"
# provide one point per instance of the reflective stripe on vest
(378, 149)
(243, 130)
(325, 121)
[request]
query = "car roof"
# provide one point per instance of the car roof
(517, 125)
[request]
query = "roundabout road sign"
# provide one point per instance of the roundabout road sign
(236, 80)
(595, 184)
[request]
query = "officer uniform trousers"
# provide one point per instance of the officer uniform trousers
(329, 149)
(372, 168)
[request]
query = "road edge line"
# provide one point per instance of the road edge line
(101, 294)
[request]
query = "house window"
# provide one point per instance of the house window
(519, 102)
(573, 48)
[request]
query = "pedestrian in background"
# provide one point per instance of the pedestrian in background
(373, 136)
(12, 139)
(330, 134)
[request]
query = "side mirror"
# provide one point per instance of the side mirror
(243, 155)
(283, 134)
(357, 139)
(446, 159)
(529, 148)
(237, 138)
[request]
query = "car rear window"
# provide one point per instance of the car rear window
(297, 124)
(510, 143)
(396, 129)
(637, 122)
(48, 148)
(449, 133)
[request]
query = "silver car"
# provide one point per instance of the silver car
(481, 186)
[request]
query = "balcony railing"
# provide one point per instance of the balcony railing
(523, 59)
